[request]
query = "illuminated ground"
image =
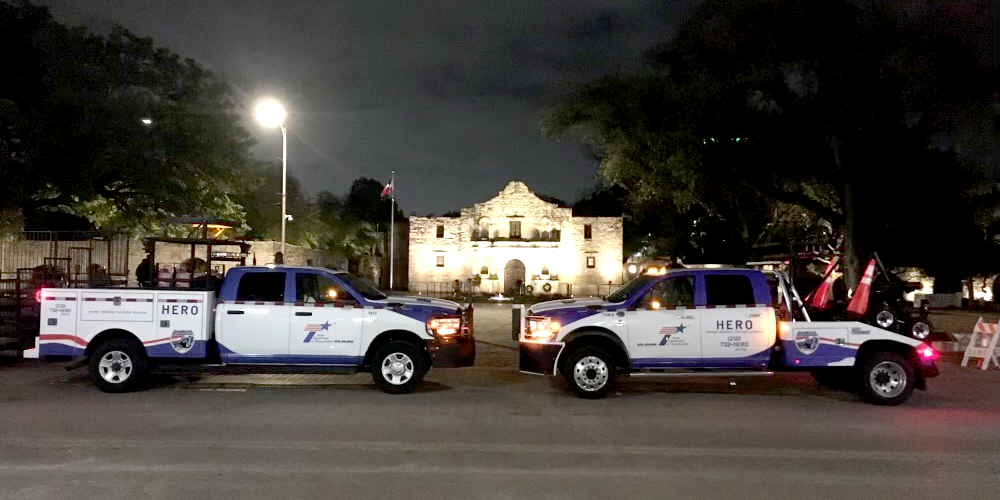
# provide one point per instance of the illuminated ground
(491, 433)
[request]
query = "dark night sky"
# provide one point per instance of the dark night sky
(446, 93)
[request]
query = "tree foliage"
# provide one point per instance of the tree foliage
(73, 116)
(365, 202)
(841, 111)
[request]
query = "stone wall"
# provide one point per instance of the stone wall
(425, 248)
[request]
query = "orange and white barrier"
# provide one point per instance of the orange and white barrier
(820, 297)
(859, 302)
(985, 345)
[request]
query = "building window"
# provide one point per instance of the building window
(515, 229)
(484, 270)
(545, 270)
(590, 260)
(586, 233)
(440, 261)
(440, 231)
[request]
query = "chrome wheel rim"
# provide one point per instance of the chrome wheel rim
(887, 379)
(590, 373)
(397, 368)
(920, 330)
(115, 367)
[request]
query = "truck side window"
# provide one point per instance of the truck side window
(669, 293)
(728, 290)
(262, 287)
(311, 288)
(680, 291)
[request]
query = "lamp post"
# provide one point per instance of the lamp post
(270, 114)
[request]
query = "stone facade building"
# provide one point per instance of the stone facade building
(516, 241)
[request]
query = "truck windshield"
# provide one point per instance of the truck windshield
(362, 286)
(627, 289)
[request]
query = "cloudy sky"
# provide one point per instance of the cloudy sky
(446, 93)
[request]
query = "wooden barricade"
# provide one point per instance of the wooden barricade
(984, 346)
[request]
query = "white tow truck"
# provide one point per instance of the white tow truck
(713, 322)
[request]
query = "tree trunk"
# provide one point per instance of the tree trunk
(851, 261)
(852, 250)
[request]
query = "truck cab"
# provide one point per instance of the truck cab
(316, 316)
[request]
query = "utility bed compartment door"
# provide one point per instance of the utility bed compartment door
(57, 333)
(182, 326)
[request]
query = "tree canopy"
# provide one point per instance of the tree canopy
(806, 117)
(112, 128)
(115, 131)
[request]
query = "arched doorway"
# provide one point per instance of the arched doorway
(513, 276)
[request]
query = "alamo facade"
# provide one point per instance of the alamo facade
(516, 243)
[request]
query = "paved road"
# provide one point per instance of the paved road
(489, 432)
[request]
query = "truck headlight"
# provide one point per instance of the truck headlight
(541, 328)
(444, 326)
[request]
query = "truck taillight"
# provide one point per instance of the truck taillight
(926, 352)
(39, 296)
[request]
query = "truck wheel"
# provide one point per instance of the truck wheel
(590, 372)
(398, 367)
(886, 379)
(117, 366)
(839, 379)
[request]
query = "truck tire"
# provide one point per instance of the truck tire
(839, 379)
(398, 367)
(886, 378)
(118, 366)
(590, 372)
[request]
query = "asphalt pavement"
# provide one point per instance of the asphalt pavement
(489, 432)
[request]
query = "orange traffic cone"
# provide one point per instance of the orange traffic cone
(821, 295)
(859, 302)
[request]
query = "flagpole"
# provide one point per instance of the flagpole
(392, 225)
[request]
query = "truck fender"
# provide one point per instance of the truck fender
(390, 335)
(112, 334)
(907, 351)
(598, 337)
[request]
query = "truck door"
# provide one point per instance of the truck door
(326, 322)
(254, 328)
(734, 329)
(663, 330)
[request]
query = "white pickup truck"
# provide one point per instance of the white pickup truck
(271, 315)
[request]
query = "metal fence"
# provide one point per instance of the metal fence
(77, 251)
(54, 259)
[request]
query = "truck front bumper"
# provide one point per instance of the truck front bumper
(540, 358)
(452, 353)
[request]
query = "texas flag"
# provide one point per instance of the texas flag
(387, 189)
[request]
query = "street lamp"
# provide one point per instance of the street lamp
(270, 114)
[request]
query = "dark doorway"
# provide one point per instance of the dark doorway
(513, 277)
